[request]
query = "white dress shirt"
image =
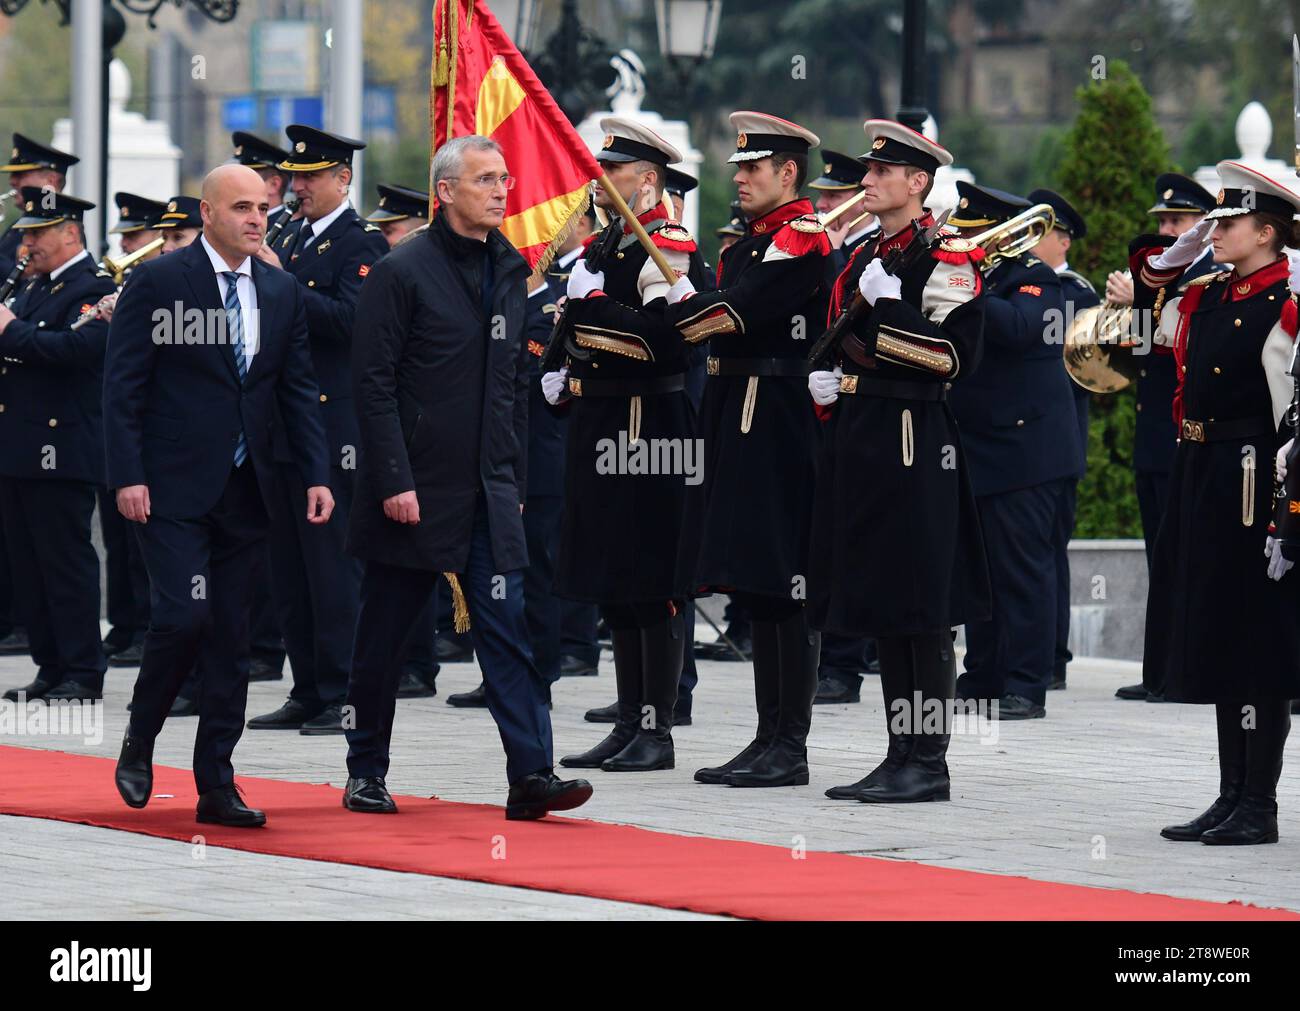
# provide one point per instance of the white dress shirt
(247, 293)
(319, 225)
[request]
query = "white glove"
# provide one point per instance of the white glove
(1293, 257)
(1278, 566)
(825, 386)
(553, 385)
(1279, 465)
(680, 290)
(582, 282)
(876, 283)
(1187, 247)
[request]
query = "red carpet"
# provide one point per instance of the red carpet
(577, 857)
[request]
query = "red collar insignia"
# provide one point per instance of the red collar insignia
(1252, 284)
(782, 215)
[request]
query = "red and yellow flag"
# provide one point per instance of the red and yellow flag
(482, 84)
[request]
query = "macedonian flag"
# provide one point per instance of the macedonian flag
(481, 84)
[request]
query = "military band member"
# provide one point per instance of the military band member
(839, 183)
(52, 446)
(733, 230)
(753, 509)
(677, 186)
(401, 211)
(137, 220)
(264, 158)
(1221, 612)
(620, 537)
(180, 223)
(1078, 294)
(897, 553)
(1180, 203)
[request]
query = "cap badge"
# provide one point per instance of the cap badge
(742, 141)
(963, 203)
(14, 154)
(171, 206)
(609, 141)
(383, 201)
(300, 147)
(1168, 194)
(878, 143)
(1219, 198)
(126, 212)
(29, 205)
(239, 150)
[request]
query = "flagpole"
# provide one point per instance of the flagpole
(655, 252)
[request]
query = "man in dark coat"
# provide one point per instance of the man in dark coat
(440, 377)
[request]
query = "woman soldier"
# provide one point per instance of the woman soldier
(1221, 621)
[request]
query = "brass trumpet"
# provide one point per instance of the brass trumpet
(119, 269)
(1013, 237)
(1100, 349)
(832, 215)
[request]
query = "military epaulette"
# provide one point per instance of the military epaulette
(1079, 279)
(1208, 278)
(954, 249)
(103, 273)
(370, 227)
(1031, 261)
(801, 236)
(673, 236)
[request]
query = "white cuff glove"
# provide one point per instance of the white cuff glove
(554, 384)
(1293, 257)
(825, 386)
(1279, 465)
(1278, 566)
(1187, 247)
(582, 282)
(680, 290)
(876, 283)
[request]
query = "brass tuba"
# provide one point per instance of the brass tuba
(1100, 349)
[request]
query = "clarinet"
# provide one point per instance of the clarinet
(273, 233)
(11, 282)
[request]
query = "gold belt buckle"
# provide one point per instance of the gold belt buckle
(575, 386)
(711, 365)
(849, 384)
(1194, 430)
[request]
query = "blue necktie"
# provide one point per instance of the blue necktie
(235, 332)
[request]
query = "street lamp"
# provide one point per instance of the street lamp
(911, 100)
(688, 30)
(217, 10)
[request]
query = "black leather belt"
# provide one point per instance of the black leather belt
(757, 367)
(648, 387)
(893, 389)
(1223, 431)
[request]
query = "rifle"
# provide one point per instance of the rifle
(894, 262)
(602, 248)
(1286, 496)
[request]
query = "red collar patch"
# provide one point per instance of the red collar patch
(782, 215)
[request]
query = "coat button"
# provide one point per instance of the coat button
(1236, 322)
(1142, 373)
(620, 256)
(54, 422)
(41, 323)
(1217, 370)
(2, 408)
(323, 398)
(1184, 370)
(1271, 297)
(311, 284)
(1020, 422)
(1139, 407)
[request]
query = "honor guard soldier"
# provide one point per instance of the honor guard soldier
(1180, 203)
(625, 390)
(753, 509)
(840, 182)
(401, 211)
(1078, 294)
(1221, 613)
(1021, 436)
(31, 164)
(896, 549)
(317, 584)
(52, 446)
(180, 223)
(264, 158)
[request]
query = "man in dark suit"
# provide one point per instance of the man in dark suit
(264, 158)
(188, 430)
(1078, 294)
(328, 252)
(443, 412)
(51, 447)
(1020, 433)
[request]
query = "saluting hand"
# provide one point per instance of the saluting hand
(133, 502)
(1188, 247)
(403, 508)
(320, 504)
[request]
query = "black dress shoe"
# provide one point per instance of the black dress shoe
(183, 707)
(1132, 693)
(1254, 821)
(224, 806)
(1017, 707)
(614, 742)
(15, 644)
(477, 699)
(36, 690)
(368, 795)
(450, 651)
(648, 751)
(290, 716)
(606, 714)
(1192, 831)
(834, 690)
(131, 656)
(262, 669)
(112, 644)
(71, 691)
(134, 775)
(328, 721)
(576, 667)
(412, 686)
(533, 796)
(717, 775)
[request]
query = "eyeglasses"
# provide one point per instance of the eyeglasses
(491, 182)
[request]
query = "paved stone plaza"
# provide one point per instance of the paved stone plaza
(1078, 797)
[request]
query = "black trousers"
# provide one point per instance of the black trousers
(55, 573)
(1014, 651)
(267, 642)
(578, 623)
(544, 610)
(8, 616)
(1152, 493)
(199, 574)
(1063, 531)
(126, 580)
(317, 587)
(844, 658)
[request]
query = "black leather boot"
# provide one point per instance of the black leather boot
(896, 682)
(661, 668)
(627, 678)
(1232, 775)
(924, 775)
(785, 762)
(1254, 820)
(766, 655)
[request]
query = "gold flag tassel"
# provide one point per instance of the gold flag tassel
(459, 609)
(747, 411)
(441, 62)
(634, 421)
